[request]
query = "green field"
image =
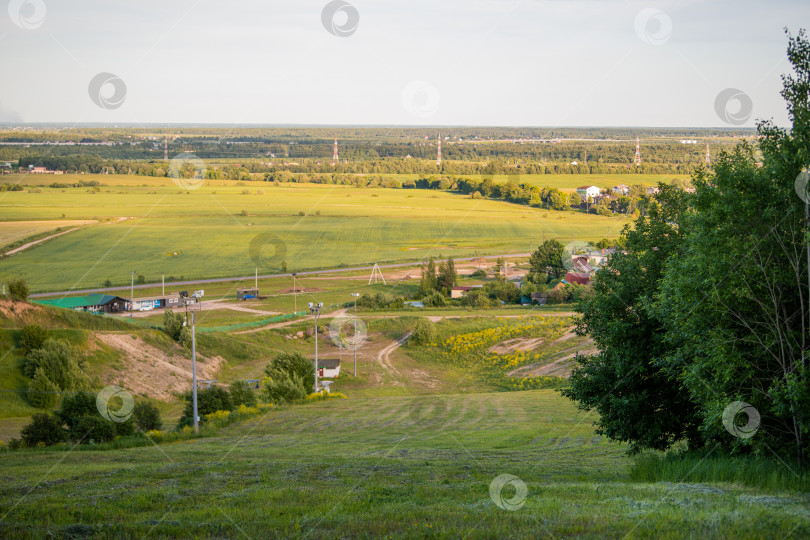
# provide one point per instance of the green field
(208, 232)
(398, 467)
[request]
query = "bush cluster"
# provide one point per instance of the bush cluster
(79, 420)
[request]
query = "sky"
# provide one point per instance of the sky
(687, 63)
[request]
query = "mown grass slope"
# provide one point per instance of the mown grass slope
(402, 467)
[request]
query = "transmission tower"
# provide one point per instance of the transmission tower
(638, 152)
(335, 153)
(439, 153)
(708, 156)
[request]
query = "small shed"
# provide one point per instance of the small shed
(328, 368)
(246, 293)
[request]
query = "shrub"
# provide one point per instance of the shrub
(423, 332)
(18, 290)
(146, 416)
(59, 363)
(44, 428)
(242, 394)
(292, 364)
(284, 387)
(90, 429)
(434, 299)
(42, 393)
(173, 324)
(480, 273)
(32, 337)
(76, 406)
(209, 400)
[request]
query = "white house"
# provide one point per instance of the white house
(328, 368)
(588, 191)
(621, 189)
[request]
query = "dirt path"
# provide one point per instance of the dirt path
(558, 368)
(384, 358)
(282, 324)
(36, 242)
(235, 307)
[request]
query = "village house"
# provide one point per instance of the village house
(588, 191)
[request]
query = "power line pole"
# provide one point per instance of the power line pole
(355, 332)
(194, 374)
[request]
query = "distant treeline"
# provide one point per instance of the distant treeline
(241, 170)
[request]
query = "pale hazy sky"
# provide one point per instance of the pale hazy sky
(437, 62)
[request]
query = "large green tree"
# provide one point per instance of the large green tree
(547, 260)
(637, 401)
(736, 298)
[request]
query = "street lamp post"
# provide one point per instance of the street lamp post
(132, 292)
(194, 374)
(295, 296)
(355, 331)
(315, 309)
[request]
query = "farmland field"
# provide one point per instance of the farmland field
(12, 231)
(208, 232)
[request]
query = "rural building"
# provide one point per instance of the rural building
(621, 189)
(328, 368)
(96, 303)
(577, 277)
(652, 190)
(245, 293)
(580, 264)
(458, 292)
(588, 191)
(540, 298)
(148, 303)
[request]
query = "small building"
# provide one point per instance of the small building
(95, 303)
(588, 191)
(621, 189)
(246, 293)
(652, 191)
(580, 264)
(328, 368)
(149, 303)
(459, 292)
(580, 278)
(540, 298)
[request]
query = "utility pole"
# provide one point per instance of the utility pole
(163, 283)
(194, 374)
(315, 309)
(256, 280)
(355, 332)
(132, 293)
(295, 296)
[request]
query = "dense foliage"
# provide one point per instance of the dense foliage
(703, 313)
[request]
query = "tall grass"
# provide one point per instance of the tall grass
(769, 473)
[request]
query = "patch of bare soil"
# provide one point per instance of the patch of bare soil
(300, 290)
(152, 372)
(422, 378)
(17, 310)
(566, 336)
(558, 368)
(514, 345)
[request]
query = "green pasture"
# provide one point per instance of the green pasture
(219, 231)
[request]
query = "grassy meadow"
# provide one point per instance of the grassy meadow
(208, 232)
(397, 467)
